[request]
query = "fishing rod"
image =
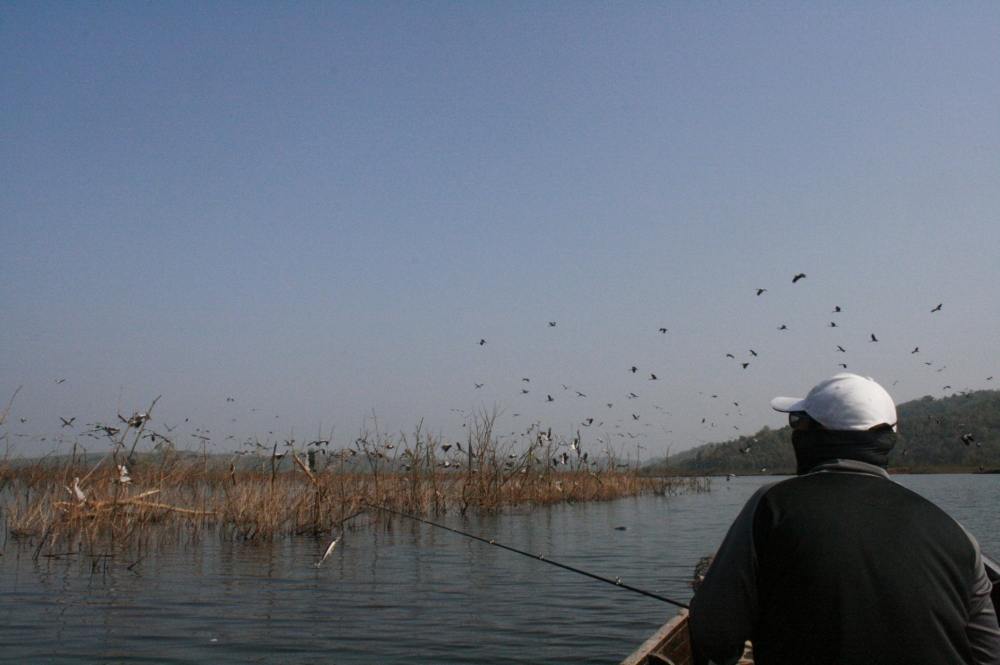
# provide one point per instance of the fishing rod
(540, 557)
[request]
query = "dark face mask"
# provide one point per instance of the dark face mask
(815, 446)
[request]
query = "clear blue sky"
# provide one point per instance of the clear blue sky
(319, 209)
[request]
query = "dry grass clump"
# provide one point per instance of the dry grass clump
(127, 495)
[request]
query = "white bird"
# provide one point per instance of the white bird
(329, 550)
(76, 491)
(123, 477)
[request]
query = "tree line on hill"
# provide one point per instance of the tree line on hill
(956, 433)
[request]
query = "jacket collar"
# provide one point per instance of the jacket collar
(849, 466)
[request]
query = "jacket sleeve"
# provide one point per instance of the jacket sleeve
(724, 609)
(982, 629)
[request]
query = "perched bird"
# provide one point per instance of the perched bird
(937, 308)
(798, 276)
(76, 492)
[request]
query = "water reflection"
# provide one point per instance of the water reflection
(400, 592)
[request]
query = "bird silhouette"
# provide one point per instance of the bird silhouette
(874, 338)
(844, 365)
(482, 342)
(67, 422)
(552, 324)
(753, 353)
(836, 309)
(633, 369)
(744, 365)
(841, 349)
(760, 291)
(968, 438)
(663, 331)
(549, 398)
(833, 324)
(916, 349)
(478, 385)
(798, 276)
(782, 327)
(652, 377)
(729, 355)
(937, 308)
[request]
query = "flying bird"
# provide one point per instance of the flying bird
(549, 398)
(915, 350)
(833, 324)
(937, 308)
(844, 365)
(798, 276)
(482, 342)
(652, 377)
(841, 349)
(782, 327)
(478, 385)
(874, 338)
(760, 291)
(67, 422)
(729, 355)
(633, 369)
(753, 353)
(663, 331)
(329, 550)
(552, 324)
(968, 438)
(744, 365)
(836, 309)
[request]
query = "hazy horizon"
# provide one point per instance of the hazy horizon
(317, 211)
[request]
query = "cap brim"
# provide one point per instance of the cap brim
(788, 404)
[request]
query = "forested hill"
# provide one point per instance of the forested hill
(960, 432)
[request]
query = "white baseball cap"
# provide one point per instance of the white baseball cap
(845, 401)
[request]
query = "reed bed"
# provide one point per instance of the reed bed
(128, 498)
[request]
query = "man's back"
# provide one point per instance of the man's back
(854, 568)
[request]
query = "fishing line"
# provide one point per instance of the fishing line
(540, 557)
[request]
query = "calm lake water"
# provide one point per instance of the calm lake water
(409, 594)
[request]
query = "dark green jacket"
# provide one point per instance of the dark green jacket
(843, 566)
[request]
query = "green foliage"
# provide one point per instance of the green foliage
(931, 439)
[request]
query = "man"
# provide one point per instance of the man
(840, 564)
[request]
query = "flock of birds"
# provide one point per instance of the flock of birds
(631, 426)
